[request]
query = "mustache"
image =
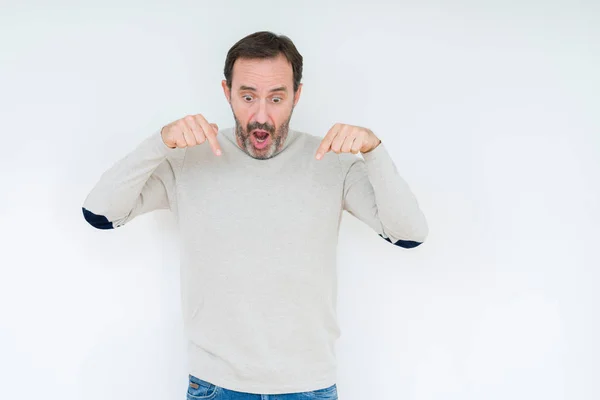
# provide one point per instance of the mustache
(263, 127)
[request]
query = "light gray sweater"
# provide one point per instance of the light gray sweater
(258, 247)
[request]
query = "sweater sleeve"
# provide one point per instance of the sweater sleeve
(141, 181)
(376, 194)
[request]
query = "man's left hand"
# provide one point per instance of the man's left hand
(343, 138)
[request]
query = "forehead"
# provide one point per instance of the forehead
(262, 73)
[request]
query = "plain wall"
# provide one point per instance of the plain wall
(490, 110)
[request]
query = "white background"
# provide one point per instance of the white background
(490, 110)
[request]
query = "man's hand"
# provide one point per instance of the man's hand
(343, 138)
(191, 131)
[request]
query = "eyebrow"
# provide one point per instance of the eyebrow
(277, 89)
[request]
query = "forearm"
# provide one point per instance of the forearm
(397, 206)
(117, 192)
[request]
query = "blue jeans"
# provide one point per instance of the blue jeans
(203, 390)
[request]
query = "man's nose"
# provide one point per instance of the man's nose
(261, 114)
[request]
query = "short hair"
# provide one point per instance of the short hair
(264, 44)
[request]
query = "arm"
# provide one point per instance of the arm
(142, 181)
(375, 193)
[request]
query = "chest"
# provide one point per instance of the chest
(227, 200)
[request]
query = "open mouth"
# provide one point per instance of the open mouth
(260, 138)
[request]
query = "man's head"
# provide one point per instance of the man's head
(262, 85)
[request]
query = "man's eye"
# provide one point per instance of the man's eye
(276, 99)
(247, 97)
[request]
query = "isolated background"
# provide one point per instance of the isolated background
(489, 108)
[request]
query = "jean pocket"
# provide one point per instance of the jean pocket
(200, 389)
(329, 393)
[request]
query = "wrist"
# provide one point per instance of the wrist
(377, 143)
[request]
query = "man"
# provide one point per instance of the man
(258, 211)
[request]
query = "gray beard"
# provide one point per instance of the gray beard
(278, 138)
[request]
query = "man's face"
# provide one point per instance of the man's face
(262, 100)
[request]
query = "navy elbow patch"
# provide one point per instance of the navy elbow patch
(407, 244)
(97, 221)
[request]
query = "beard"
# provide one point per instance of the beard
(276, 137)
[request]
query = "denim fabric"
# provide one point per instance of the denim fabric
(199, 389)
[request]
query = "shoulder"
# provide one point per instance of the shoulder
(341, 161)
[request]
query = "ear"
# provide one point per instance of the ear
(297, 94)
(226, 90)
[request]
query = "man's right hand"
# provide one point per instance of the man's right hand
(191, 131)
